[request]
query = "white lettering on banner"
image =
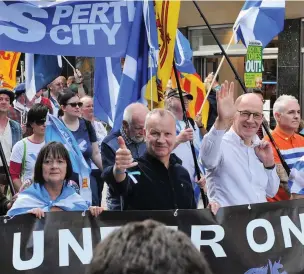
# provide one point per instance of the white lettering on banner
(66, 240)
(288, 225)
(213, 243)
(32, 30)
(38, 251)
(77, 19)
(270, 239)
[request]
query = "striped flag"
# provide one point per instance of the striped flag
(8, 67)
(107, 76)
(189, 79)
(40, 70)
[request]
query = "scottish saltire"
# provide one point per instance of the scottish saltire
(135, 74)
(36, 196)
(190, 81)
(296, 177)
(8, 68)
(57, 131)
(153, 95)
(167, 14)
(40, 70)
(260, 20)
(107, 76)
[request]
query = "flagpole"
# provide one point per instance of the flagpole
(286, 167)
(215, 75)
(197, 169)
(69, 63)
(6, 170)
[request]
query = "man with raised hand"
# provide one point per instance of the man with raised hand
(240, 167)
(157, 181)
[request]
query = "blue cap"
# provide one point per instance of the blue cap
(20, 89)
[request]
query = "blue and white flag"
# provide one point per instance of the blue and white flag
(107, 76)
(183, 54)
(72, 28)
(260, 20)
(36, 196)
(40, 70)
(136, 72)
(57, 131)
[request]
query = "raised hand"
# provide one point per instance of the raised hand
(225, 102)
(265, 153)
(123, 159)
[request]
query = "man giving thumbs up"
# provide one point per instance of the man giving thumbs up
(157, 181)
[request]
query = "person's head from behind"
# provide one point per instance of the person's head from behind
(70, 105)
(134, 120)
(258, 92)
(36, 119)
(87, 109)
(160, 132)
(53, 165)
(286, 111)
(147, 248)
(249, 116)
(58, 85)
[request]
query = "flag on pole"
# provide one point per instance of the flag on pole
(8, 67)
(40, 70)
(167, 14)
(107, 76)
(190, 81)
(260, 20)
(57, 131)
(136, 73)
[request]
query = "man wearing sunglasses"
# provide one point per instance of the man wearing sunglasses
(240, 167)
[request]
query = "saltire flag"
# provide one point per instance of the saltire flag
(190, 81)
(167, 14)
(8, 68)
(260, 20)
(153, 95)
(136, 71)
(40, 70)
(107, 76)
(58, 132)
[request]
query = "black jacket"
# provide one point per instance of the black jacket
(157, 187)
(3, 204)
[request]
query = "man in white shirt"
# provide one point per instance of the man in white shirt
(240, 167)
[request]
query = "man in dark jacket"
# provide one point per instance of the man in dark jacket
(157, 181)
(133, 136)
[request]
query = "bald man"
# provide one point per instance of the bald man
(240, 167)
(156, 180)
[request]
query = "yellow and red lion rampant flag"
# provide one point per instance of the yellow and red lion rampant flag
(167, 14)
(8, 67)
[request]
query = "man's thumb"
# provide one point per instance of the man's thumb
(121, 142)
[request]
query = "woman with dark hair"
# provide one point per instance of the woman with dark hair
(50, 191)
(84, 133)
(24, 153)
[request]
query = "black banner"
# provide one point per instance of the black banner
(261, 238)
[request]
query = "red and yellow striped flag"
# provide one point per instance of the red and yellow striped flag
(8, 67)
(192, 83)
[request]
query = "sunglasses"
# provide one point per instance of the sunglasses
(40, 122)
(75, 104)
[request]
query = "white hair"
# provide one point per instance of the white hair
(158, 111)
(281, 102)
(130, 109)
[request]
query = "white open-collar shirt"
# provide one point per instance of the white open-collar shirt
(235, 175)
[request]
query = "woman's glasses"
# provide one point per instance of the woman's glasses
(79, 104)
(40, 122)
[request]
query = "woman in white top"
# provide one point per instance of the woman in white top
(25, 152)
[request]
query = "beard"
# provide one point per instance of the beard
(137, 140)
